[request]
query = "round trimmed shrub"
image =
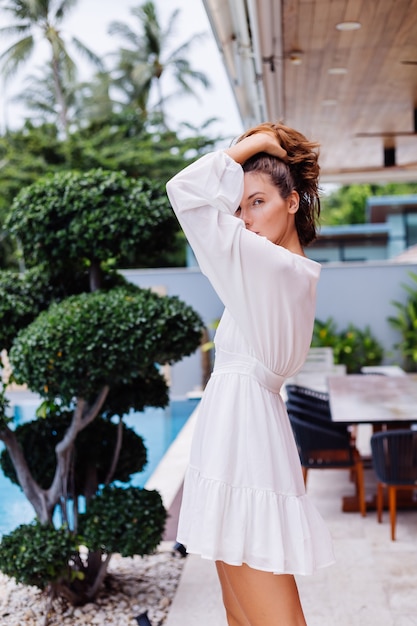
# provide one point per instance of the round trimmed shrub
(88, 341)
(37, 555)
(125, 520)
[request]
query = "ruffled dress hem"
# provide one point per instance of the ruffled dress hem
(285, 533)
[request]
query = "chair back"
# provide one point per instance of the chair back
(311, 399)
(394, 456)
(320, 446)
(318, 358)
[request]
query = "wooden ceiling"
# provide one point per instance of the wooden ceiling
(354, 91)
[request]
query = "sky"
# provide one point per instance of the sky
(89, 21)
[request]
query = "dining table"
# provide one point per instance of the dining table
(385, 402)
(373, 399)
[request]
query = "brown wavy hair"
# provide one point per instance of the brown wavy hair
(300, 172)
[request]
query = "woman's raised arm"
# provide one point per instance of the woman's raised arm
(253, 144)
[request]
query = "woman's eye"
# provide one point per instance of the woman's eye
(257, 202)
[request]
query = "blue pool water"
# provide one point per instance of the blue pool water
(158, 427)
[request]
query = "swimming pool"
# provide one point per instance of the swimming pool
(158, 427)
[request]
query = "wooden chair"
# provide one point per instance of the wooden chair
(394, 457)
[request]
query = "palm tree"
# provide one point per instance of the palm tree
(94, 103)
(38, 96)
(147, 60)
(44, 16)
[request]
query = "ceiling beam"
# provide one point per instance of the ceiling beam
(235, 27)
(396, 174)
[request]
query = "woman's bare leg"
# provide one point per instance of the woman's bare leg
(234, 613)
(263, 598)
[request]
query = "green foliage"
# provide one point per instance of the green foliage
(128, 521)
(146, 389)
(405, 322)
(93, 453)
(4, 405)
(44, 18)
(352, 346)
(124, 142)
(347, 205)
(146, 60)
(22, 297)
(35, 555)
(356, 348)
(72, 227)
(95, 215)
(25, 154)
(119, 143)
(325, 333)
(91, 340)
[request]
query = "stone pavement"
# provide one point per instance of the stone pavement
(373, 583)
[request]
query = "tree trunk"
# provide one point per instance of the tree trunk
(63, 112)
(91, 483)
(116, 453)
(100, 574)
(96, 275)
(44, 501)
(33, 492)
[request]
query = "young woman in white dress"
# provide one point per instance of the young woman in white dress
(248, 212)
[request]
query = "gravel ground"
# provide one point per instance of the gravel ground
(134, 586)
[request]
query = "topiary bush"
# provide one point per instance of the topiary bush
(92, 345)
(88, 341)
(125, 520)
(93, 452)
(36, 554)
(95, 215)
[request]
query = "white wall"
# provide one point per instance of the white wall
(357, 293)
(362, 294)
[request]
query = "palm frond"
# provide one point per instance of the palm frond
(184, 48)
(125, 32)
(14, 29)
(184, 74)
(20, 9)
(15, 55)
(170, 30)
(87, 53)
(63, 7)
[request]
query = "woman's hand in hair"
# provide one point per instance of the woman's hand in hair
(255, 143)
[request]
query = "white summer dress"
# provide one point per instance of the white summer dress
(244, 499)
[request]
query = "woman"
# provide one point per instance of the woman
(244, 504)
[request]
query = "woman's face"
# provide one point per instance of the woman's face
(265, 212)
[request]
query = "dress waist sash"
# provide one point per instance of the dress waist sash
(230, 363)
